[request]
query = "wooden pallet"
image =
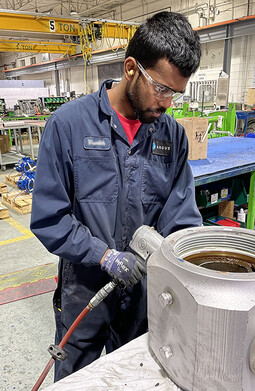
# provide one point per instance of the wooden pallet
(20, 202)
(12, 179)
(4, 212)
(3, 188)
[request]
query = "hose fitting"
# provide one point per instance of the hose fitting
(102, 294)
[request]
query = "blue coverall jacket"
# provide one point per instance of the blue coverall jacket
(92, 191)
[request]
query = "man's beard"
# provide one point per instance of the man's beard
(142, 115)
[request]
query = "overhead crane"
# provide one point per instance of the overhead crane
(38, 23)
(87, 32)
(37, 47)
(34, 22)
(58, 27)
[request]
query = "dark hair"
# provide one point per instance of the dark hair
(166, 35)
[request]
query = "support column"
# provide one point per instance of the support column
(227, 55)
(57, 82)
(227, 50)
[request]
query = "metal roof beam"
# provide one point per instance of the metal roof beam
(239, 28)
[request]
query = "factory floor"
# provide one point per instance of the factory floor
(27, 322)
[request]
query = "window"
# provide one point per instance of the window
(22, 63)
(33, 60)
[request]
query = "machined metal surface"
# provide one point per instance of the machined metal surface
(201, 308)
(145, 241)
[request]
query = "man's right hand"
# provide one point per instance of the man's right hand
(124, 267)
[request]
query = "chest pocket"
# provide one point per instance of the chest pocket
(96, 179)
(157, 181)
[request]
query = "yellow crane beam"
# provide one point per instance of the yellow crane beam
(37, 47)
(57, 25)
(38, 23)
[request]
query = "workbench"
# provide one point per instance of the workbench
(129, 368)
(228, 157)
(15, 128)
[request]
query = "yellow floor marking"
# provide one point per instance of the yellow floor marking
(18, 239)
(26, 232)
(28, 276)
(19, 227)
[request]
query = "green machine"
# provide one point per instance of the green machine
(223, 122)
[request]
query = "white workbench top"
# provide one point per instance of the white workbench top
(129, 368)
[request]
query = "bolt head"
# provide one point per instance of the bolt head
(165, 299)
(165, 352)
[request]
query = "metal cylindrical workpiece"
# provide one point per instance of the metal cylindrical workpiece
(210, 324)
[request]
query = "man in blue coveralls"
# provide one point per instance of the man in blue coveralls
(108, 163)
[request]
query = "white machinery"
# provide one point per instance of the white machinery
(201, 305)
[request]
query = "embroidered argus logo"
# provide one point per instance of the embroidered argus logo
(161, 147)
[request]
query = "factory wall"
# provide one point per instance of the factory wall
(211, 62)
(242, 75)
(199, 13)
(81, 84)
(213, 11)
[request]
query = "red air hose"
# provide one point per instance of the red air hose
(61, 345)
(99, 296)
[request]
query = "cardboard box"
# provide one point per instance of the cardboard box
(5, 145)
(196, 132)
(250, 98)
(226, 209)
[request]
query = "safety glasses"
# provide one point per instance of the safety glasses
(159, 90)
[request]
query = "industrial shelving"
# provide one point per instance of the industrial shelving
(52, 103)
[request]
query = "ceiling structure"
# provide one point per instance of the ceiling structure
(89, 8)
(65, 14)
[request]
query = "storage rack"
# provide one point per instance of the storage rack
(52, 103)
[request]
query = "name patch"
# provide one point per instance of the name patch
(162, 148)
(99, 143)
